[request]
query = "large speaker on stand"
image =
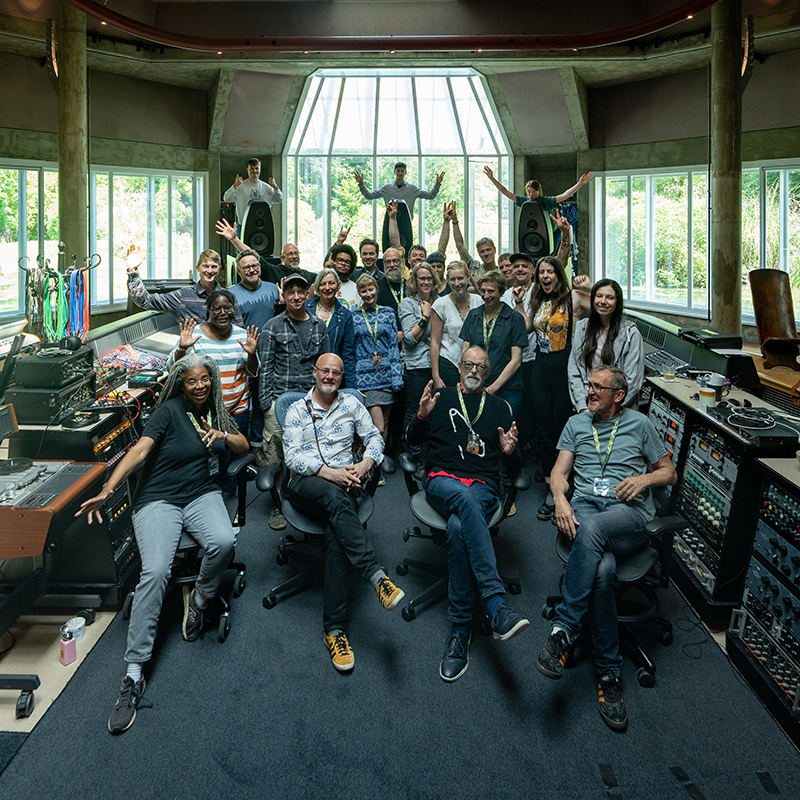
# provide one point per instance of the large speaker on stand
(534, 233)
(258, 232)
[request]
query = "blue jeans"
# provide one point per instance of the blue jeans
(471, 560)
(608, 527)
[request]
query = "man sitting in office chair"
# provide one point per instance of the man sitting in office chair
(470, 431)
(616, 457)
(324, 485)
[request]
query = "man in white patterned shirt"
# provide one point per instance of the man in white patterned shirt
(324, 485)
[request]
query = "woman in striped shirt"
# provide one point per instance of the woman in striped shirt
(232, 347)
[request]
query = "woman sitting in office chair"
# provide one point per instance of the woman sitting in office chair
(179, 451)
(606, 337)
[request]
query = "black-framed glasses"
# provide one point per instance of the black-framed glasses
(390, 262)
(472, 365)
(343, 261)
(596, 386)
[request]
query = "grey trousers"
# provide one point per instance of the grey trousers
(158, 527)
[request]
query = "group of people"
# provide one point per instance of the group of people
(486, 356)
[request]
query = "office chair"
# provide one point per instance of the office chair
(437, 525)
(307, 551)
(640, 573)
(186, 564)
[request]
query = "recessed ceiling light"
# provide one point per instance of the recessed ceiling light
(103, 23)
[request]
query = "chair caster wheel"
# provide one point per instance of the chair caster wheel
(126, 606)
(88, 615)
(270, 601)
(401, 570)
(25, 704)
(514, 588)
(282, 559)
(408, 613)
(224, 627)
(407, 532)
(665, 637)
(646, 680)
(548, 612)
(239, 583)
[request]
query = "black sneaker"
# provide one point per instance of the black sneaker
(124, 712)
(545, 511)
(554, 655)
(192, 616)
(612, 709)
(456, 656)
(507, 623)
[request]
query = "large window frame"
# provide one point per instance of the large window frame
(419, 158)
(109, 281)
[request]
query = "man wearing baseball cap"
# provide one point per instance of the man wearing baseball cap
(288, 348)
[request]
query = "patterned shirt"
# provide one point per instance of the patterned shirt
(335, 429)
(188, 302)
(286, 363)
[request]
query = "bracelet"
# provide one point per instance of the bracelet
(225, 437)
(180, 349)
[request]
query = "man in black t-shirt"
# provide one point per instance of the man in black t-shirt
(470, 431)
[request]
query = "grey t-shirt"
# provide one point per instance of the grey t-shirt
(303, 331)
(636, 448)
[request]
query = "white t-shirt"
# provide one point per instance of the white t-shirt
(348, 296)
(529, 353)
(452, 321)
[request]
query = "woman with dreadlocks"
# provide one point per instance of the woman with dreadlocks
(179, 452)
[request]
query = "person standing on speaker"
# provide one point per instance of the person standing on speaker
(188, 302)
(243, 191)
(533, 192)
(400, 190)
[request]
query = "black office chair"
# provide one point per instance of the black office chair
(638, 574)
(437, 525)
(186, 564)
(307, 551)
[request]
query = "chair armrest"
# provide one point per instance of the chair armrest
(388, 466)
(407, 463)
(265, 479)
(664, 529)
(235, 467)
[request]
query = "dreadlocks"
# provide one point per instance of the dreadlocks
(173, 386)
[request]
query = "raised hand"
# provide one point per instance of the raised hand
(428, 401)
(358, 176)
(225, 229)
(343, 234)
(508, 439)
(487, 171)
(271, 182)
(440, 177)
(210, 435)
(519, 294)
(560, 220)
(187, 339)
(134, 257)
(251, 343)
(585, 178)
(391, 208)
(238, 182)
(582, 283)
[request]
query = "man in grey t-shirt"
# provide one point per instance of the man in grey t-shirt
(616, 457)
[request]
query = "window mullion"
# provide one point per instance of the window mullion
(690, 244)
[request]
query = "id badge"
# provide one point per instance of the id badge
(376, 359)
(544, 344)
(474, 443)
(601, 487)
(213, 465)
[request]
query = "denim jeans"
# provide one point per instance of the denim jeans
(471, 558)
(608, 527)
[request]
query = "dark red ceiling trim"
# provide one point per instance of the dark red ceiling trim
(299, 44)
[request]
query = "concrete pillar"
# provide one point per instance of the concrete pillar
(73, 132)
(726, 165)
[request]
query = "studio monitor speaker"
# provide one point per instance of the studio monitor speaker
(535, 236)
(257, 229)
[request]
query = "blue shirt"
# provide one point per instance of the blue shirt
(256, 305)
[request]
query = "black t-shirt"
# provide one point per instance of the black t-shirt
(509, 331)
(388, 294)
(448, 433)
(177, 469)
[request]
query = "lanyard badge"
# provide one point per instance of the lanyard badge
(602, 487)
(474, 442)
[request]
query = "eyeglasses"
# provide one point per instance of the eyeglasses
(390, 261)
(336, 373)
(222, 309)
(289, 253)
(472, 365)
(250, 268)
(596, 386)
(343, 261)
(424, 279)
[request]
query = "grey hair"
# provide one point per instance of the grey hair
(247, 252)
(322, 274)
(618, 380)
(484, 240)
(173, 386)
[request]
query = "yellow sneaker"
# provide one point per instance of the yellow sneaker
(389, 594)
(341, 653)
(512, 510)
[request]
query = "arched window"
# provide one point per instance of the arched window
(435, 120)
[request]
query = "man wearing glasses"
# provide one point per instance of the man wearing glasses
(469, 432)
(324, 485)
(615, 457)
(344, 262)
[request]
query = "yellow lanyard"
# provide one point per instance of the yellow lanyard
(464, 407)
(366, 321)
(610, 444)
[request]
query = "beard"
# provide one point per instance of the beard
(473, 384)
(394, 274)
